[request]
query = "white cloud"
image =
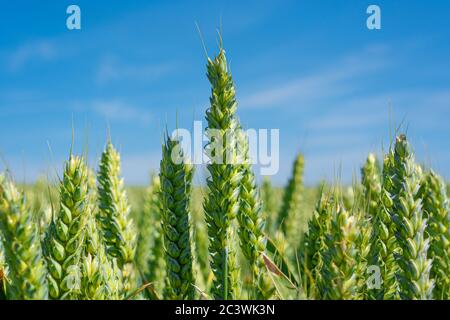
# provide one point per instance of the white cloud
(329, 83)
(32, 51)
(111, 69)
(116, 110)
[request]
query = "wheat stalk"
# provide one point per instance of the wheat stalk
(118, 230)
(222, 203)
(21, 244)
(414, 273)
(64, 241)
(176, 184)
(436, 207)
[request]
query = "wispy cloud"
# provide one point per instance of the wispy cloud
(39, 50)
(111, 69)
(119, 111)
(331, 82)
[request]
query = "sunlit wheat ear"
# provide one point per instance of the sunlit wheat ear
(436, 208)
(222, 200)
(119, 233)
(21, 249)
(371, 181)
(341, 278)
(289, 215)
(99, 281)
(251, 225)
(65, 238)
(414, 273)
(384, 244)
(176, 188)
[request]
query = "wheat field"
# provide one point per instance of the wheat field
(90, 236)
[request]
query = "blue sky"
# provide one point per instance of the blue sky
(310, 68)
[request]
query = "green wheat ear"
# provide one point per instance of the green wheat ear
(176, 187)
(221, 203)
(251, 225)
(436, 208)
(100, 275)
(371, 181)
(384, 244)
(414, 273)
(314, 245)
(289, 215)
(65, 238)
(21, 245)
(342, 269)
(118, 230)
